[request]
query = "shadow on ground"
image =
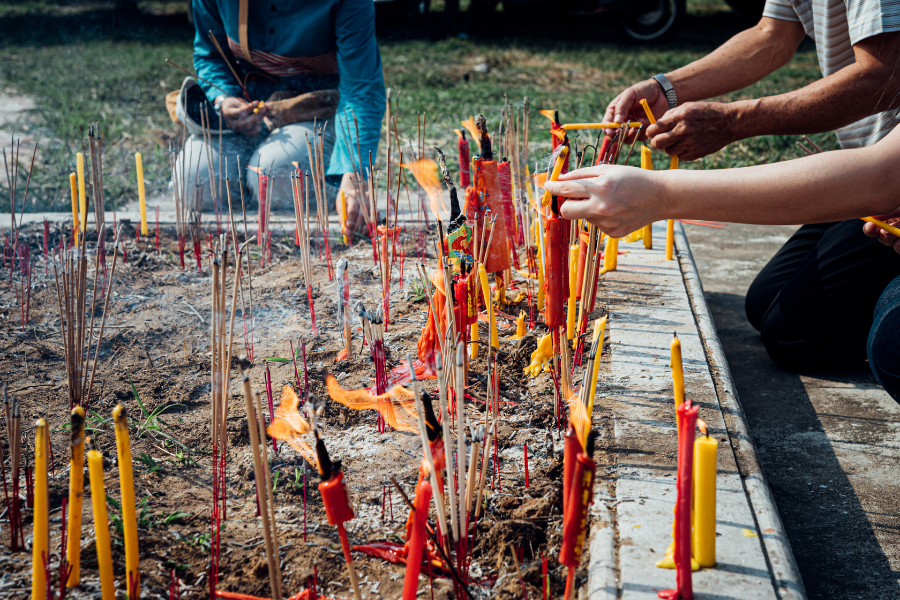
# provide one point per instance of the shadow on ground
(830, 531)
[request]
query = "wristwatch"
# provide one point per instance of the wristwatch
(666, 85)
(217, 105)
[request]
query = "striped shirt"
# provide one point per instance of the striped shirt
(835, 25)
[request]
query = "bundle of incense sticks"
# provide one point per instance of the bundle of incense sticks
(12, 415)
(263, 479)
(301, 212)
(77, 321)
(215, 175)
(12, 180)
(317, 168)
(95, 145)
(246, 305)
(343, 276)
(179, 195)
(220, 367)
(373, 334)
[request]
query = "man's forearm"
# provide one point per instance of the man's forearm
(840, 99)
(830, 186)
(741, 61)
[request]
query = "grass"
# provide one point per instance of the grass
(83, 63)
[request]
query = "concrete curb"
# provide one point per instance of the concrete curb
(602, 579)
(776, 547)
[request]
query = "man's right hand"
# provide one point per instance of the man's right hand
(627, 107)
(239, 116)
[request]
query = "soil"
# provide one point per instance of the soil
(157, 338)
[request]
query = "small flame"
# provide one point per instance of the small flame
(550, 114)
(578, 416)
(383, 403)
(701, 425)
(458, 133)
(257, 170)
(289, 426)
(425, 170)
(470, 125)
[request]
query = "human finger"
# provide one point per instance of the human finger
(583, 173)
(574, 208)
(568, 189)
(871, 229)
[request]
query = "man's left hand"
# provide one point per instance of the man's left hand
(355, 219)
(693, 130)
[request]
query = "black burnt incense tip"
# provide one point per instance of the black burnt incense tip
(431, 422)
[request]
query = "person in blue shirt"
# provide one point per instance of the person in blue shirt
(282, 49)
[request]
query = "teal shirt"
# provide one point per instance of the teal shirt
(304, 46)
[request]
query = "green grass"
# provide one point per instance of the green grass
(84, 64)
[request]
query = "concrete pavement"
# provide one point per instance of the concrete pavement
(829, 442)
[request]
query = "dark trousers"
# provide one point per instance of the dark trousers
(884, 341)
(814, 303)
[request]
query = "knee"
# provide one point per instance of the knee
(883, 347)
(757, 301)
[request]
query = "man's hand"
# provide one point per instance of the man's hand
(239, 116)
(627, 107)
(616, 199)
(694, 130)
(885, 237)
(355, 220)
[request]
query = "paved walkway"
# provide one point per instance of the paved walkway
(829, 443)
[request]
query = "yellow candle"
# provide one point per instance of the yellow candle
(76, 490)
(344, 215)
(704, 542)
(101, 524)
(611, 254)
(648, 112)
(473, 345)
(573, 283)
(141, 197)
(572, 126)
(40, 546)
(486, 291)
(529, 186)
(557, 169)
(82, 200)
(73, 181)
(521, 329)
(129, 514)
(540, 260)
(647, 163)
(599, 333)
(677, 371)
(670, 223)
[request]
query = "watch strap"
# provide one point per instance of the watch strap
(669, 91)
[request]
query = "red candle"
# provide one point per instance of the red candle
(417, 540)
(464, 179)
(687, 420)
(570, 454)
(556, 275)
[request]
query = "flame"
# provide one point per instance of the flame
(425, 170)
(256, 170)
(470, 125)
(550, 114)
(560, 133)
(458, 133)
(701, 425)
(289, 425)
(578, 416)
(383, 403)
